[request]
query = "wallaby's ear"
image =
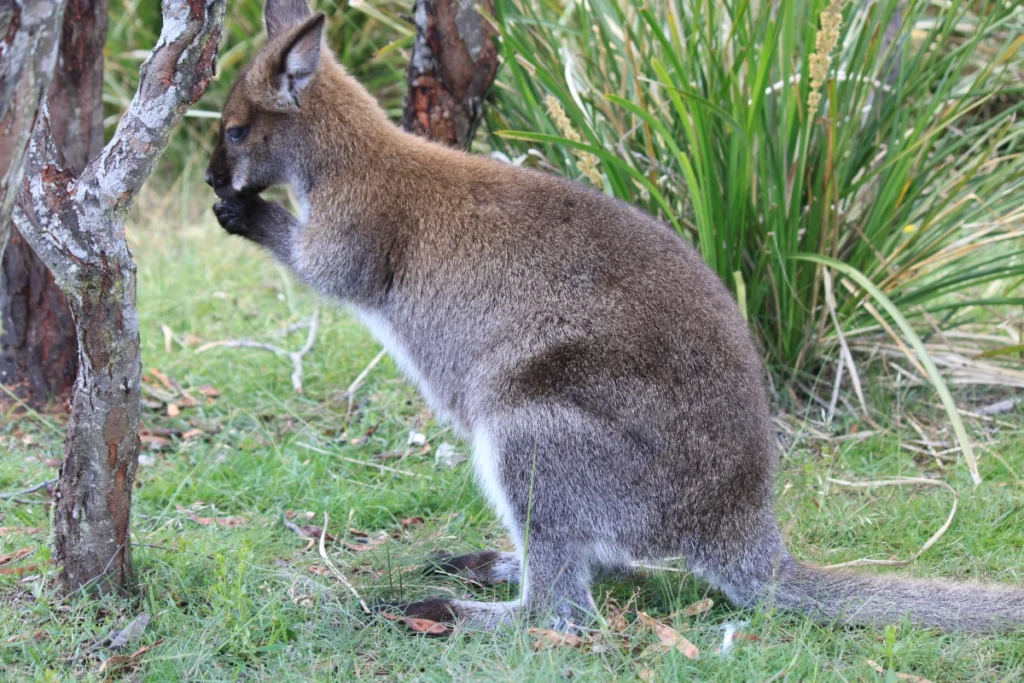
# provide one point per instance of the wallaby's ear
(280, 15)
(301, 57)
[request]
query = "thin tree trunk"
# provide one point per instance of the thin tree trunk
(453, 63)
(76, 226)
(38, 350)
(29, 36)
(75, 99)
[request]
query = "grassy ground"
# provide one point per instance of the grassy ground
(245, 598)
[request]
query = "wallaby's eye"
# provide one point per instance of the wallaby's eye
(237, 133)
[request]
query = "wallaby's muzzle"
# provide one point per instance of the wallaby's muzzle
(218, 173)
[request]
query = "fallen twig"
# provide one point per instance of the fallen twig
(337, 572)
(31, 489)
(901, 481)
(294, 356)
(350, 393)
(291, 526)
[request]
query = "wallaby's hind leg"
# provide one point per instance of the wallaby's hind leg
(485, 567)
(556, 587)
(557, 583)
(556, 579)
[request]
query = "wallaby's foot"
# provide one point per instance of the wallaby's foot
(484, 568)
(435, 609)
(478, 616)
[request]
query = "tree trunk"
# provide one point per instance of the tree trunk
(76, 225)
(29, 33)
(37, 346)
(453, 63)
(37, 342)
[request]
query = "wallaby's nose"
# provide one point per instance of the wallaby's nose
(210, 178)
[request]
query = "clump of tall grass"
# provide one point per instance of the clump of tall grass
(367, 36)
(877, 142)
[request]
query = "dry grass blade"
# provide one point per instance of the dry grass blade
(382, 468)
(902, 481)
(337, 572)
(545, 638)
(844, 348)
(921, 358)
(699, 607)
(900, 677)
(958, 368)
(668, 638)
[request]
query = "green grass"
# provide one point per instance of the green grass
(240, 603)
(910, 170)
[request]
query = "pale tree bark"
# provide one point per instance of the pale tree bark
(37, 344)
(453, 63)
(29, 36)
(76, 225)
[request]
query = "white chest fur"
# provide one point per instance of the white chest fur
(382, 330)
(486, 466)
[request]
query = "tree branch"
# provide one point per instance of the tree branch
(42, 201)
(29, 42)
(172, 79)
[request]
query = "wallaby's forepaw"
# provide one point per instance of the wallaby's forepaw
(231, 214)
(484, 568)
(238, 215)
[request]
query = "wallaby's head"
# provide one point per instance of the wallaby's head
(267, 113)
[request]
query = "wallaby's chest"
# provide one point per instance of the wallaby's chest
(384, 332)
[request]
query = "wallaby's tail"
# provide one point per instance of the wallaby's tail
(879, 599)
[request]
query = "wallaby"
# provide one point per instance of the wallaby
(612, 392)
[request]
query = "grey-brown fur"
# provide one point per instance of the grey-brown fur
(609, 385)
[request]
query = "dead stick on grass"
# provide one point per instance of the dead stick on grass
(358, 381)
(901, 481)
(31, 489)
(291, 526)
(337, 572)
(294, 356)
